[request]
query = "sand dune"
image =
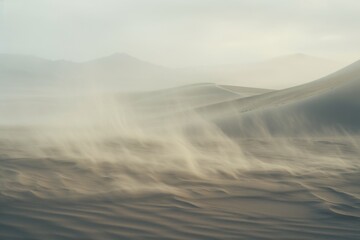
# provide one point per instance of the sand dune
(188, 97)
(27, 110)
(202, 161)
(329, 103)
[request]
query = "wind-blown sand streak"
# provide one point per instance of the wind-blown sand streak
(169, 165)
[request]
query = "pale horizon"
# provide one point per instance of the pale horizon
(181, 33)
(151, 61)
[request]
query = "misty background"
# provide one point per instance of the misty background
(59, 48)
(181, 33)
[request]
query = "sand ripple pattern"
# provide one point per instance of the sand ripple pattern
(297, 198)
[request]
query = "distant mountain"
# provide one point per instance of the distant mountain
(118, 72)
(276, 73)
(22, 74)
(122, 59)
(125, 73)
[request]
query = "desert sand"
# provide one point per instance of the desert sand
(201, 161)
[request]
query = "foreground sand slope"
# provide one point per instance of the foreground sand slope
(307, 192)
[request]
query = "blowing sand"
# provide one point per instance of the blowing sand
(180, 164)
(304, 189)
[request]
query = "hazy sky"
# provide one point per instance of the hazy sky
(181, 32)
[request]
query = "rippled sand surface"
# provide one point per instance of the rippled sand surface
(293, 189)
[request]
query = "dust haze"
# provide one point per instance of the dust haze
(257, 143)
